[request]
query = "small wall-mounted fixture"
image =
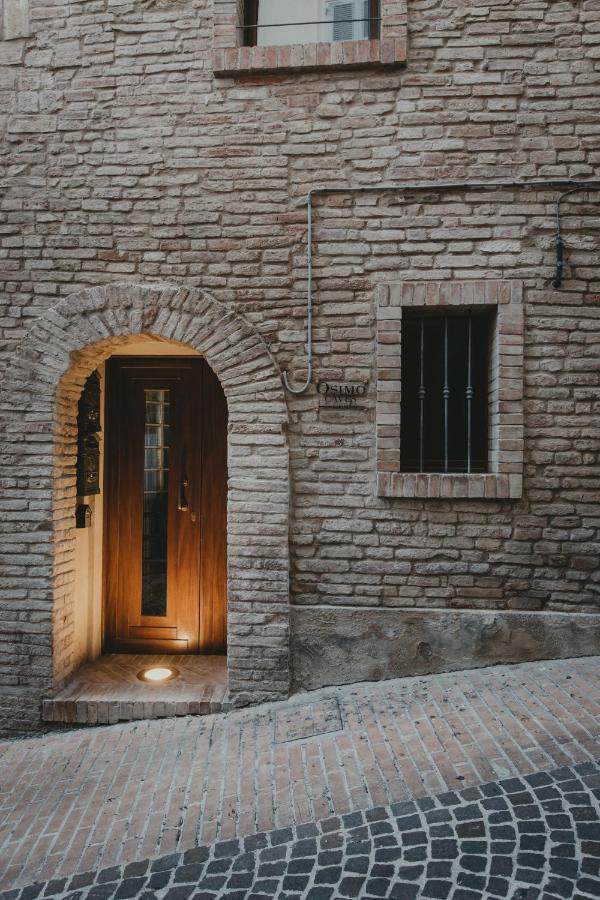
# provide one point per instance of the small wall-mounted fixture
(88, 466)
(88, 418)
(83, 516)
(88, 447)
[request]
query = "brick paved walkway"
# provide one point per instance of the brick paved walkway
(95, 798)
(523, 838)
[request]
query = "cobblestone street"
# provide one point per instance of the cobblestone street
(481, 783)
(538, 836)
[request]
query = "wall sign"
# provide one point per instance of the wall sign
(341, 395)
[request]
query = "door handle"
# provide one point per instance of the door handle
(183, 503)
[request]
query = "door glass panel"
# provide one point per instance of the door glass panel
(156, 497)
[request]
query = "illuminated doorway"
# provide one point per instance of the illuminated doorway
(165, 528)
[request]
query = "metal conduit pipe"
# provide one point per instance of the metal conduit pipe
(573, 185)
(559, 241)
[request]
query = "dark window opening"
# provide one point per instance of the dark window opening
(285, 22)
(445, 390)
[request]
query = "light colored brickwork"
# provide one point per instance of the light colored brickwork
(124, 160)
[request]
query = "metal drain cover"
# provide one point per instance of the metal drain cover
(308, 720)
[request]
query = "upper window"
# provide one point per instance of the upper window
(445, 391)
(269, 23)
(275, 36)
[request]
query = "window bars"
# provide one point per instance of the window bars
(444, 394)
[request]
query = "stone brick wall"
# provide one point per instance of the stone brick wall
(124, 160)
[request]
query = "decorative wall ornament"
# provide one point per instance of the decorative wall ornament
(88, 447)
(88, 418)
(88, 466)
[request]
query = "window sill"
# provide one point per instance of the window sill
(309, 57)
(435, 485)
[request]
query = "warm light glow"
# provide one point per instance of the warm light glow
(158, 674)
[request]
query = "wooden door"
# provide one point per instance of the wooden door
(166, 492)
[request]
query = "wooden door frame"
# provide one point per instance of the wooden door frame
(211, 623)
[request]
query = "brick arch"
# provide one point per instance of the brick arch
(38, 403)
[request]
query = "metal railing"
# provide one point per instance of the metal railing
(372, 27)
(312, 22)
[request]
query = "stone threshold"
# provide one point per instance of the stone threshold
(108, 690)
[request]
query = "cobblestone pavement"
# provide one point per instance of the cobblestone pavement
(531, 837)
(95, 798)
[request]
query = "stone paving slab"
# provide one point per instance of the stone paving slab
(525, 838)
(94, 798)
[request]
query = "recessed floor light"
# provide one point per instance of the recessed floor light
(158, 674)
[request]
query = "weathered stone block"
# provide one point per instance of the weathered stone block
(339, 646)
(15, 19)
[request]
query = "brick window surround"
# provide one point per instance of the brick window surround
(230, 57)
(505, 477)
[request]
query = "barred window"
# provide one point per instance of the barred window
(445, 385)
(286, 22)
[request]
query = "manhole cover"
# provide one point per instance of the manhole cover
(307, 720)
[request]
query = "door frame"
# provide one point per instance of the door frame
(210, 612)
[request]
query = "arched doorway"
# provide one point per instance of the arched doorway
(39, 441)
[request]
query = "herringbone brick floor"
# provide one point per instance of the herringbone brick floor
(108, 690)
(85, 799)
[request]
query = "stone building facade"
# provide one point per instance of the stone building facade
(155, 178)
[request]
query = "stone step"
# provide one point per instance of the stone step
(108, 690)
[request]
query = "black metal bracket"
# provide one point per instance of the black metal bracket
(559, 243)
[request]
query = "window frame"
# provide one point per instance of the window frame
(504, 480)
(468, 370)
(233, 56)
(250, 21)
